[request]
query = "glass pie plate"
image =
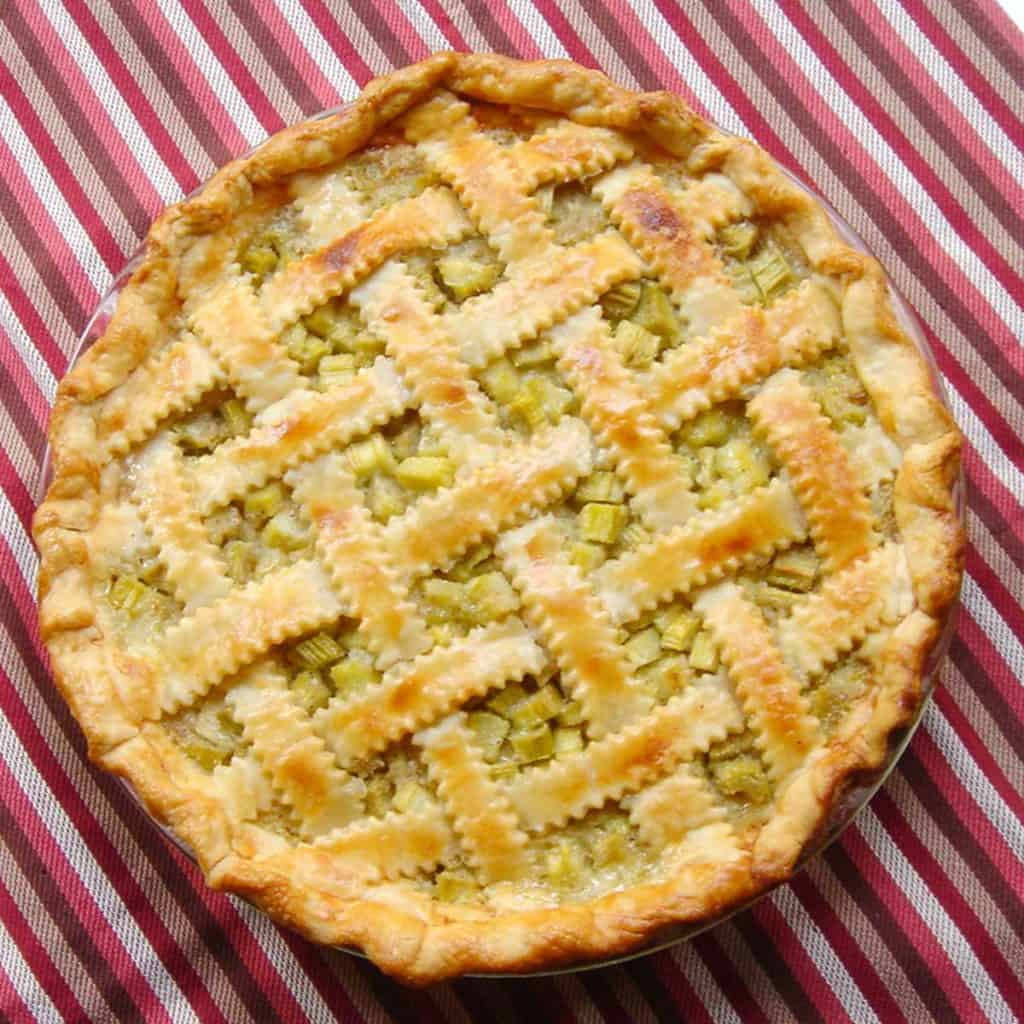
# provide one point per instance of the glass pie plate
(856, 793)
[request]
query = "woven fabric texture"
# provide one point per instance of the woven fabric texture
(906, 115)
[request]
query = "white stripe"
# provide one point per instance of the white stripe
(426, 28)
(53, 199)
(20, 543)
(944, 75)
(107, 900)
(42, 375)
(630, 998)
(985, 444)
(823, 956)
(931, 217)
(23, 981)
(577, 999)
(537, 27)
(282, 960)
(213, 71)
(719, 109)
(318, 49)
(934, 915)
(704, 986)
(111, 100)
(992, 551)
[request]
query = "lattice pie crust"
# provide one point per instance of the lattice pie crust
(496, 521)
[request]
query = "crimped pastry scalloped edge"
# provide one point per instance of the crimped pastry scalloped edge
(422, 943)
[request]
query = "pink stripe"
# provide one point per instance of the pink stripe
(31, 395)
(138, 102)
(943, 973)
(90, 108)
(39, 961)
(692, 1009)
(447, 27)
(65, 259)
(523, 43)
(949, 896)
(338, 42)
(192, 78)
(32, 322)
(229, 59)
(965, 225)
(404, 31)
(790, 947)
(307, 68)
(980, 644)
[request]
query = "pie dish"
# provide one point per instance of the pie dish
(497, 522)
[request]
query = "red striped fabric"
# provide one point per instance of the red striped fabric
(906, 114)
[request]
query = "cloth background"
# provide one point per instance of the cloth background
(907, 116)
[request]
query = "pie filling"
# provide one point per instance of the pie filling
(565, 705)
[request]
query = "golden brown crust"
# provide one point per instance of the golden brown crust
(405, 932)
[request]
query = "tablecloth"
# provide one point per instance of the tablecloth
(906, 115)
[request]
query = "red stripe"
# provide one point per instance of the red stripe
(943, 974)
(447, 27)
(40, 962)
(32, 322)
(691, 1007)
(951, 900)
(338, 41)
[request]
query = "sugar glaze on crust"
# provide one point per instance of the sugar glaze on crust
(323, 884)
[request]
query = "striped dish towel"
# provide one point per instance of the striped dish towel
(906, 115)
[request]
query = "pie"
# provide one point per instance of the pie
(498, 521)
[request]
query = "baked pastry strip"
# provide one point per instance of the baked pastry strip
(298, 428)
(327, 208)
(681, 802)
(395, 846)
(787, 417)
(243, 787)
(485, 179)
(439, 528)
(874, 456)
(217, 639)
(349, 544)
(785, 729)
(194, 565)
(670, 231)
(433, 219)
(623, 762)
(322, 796)
(418, 694)
(706, 547)
(480, 811)
(565, 611)
(449, 397)
(231, 321)
(873, 592)
(567, 151)
(655, 477)
(538, 295)
(168, 382)
(753, 344)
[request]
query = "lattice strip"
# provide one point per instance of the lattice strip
(231, 321)
(526, 478)
(786, 730)
(323, 797)
(707, 547)
(395, 309)
(350, 547)
(243, 788)
(395, 846)
(327, 207)
(414, 695)
(794, 330)
(625, 761)
(220, 638)
(539, 295)
(665, 812)
(298, 428)
(870, 593)
(194, 566)
(567, 151)
(433, 219)
(575, 627)
(669, 231)
(656, 478)
(165, 384)
(483, 818)
(485, 178)
(786, 415)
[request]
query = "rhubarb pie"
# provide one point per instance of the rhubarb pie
(498, 521)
